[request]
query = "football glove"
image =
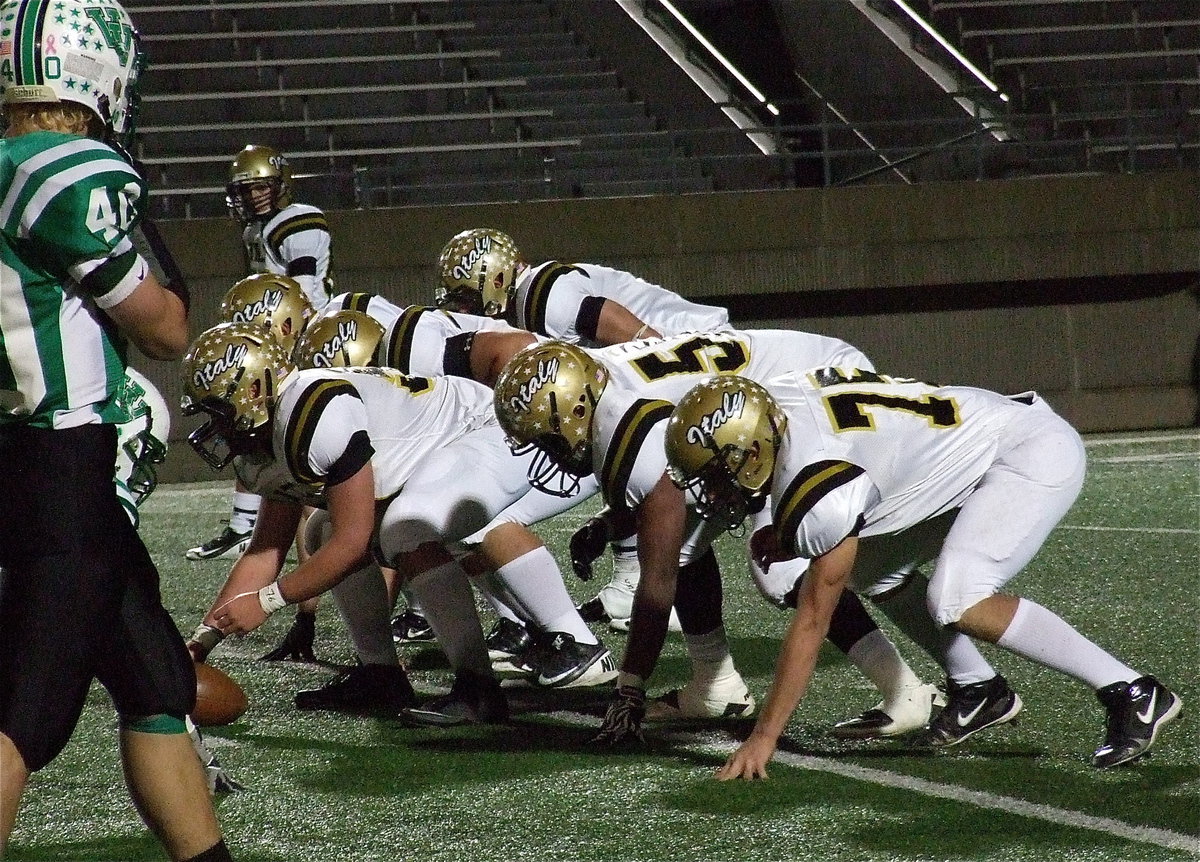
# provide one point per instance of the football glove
(297, 644)
(588, 543)
(623, 721)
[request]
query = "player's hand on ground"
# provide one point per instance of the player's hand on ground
(749, 761)
(297, 644)
(241, 614)
(623, 721)
(588, 543)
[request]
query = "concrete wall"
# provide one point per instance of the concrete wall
(1084, 288)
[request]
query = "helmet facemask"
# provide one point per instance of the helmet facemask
(232, 374)
(722, 441)
(546, 400)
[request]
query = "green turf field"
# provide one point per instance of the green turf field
(1124, 567)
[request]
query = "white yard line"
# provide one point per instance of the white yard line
(1148, 459)
(1130, 529)
(1148, 438)
(980, 799)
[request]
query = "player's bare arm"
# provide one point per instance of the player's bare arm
(491, 350)
(265, 556)
(352, 516)
(618, 324)
(661, 518)
(154, 319)
(818, 596)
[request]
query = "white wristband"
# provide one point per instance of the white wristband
(270, 599)
(640, 332)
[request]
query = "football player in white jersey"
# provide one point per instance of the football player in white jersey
(539, 632)
(280, 238)
(603, 412)
(482, 271)
(868, 474)
(346, 438)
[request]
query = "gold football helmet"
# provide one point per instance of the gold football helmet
(275, 302)
(477, 272)
(721, 444)
(546, 398)
(232, 373)
(339, 339)
(262, 168)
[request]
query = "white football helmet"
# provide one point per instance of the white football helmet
(477, 272)
(142, 440)
(81, 51)
(722, 440)
(232, 373)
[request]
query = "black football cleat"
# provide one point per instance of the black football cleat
(566, 663)
(366, 689)
(411, 627)
(1137, 711)
(227, 544)
(970, 709)
(507, 639)
(473, 699)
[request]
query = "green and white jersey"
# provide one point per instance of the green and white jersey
(67, 205)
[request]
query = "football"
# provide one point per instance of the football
(219, 699)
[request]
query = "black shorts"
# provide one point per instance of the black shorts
(79, 596)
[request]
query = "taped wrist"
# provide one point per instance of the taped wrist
(270, 599)
(207, 636)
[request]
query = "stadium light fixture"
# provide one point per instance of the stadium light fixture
(718, 56)
(950, 49)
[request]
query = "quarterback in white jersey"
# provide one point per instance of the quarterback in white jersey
(279, 236)
(869, 472)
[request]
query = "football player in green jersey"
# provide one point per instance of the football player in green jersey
(74, 292)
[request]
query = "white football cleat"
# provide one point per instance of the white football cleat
(907, 710)
(727, 698)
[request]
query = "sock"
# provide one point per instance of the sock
(411, 602)
(488, 588)
(626, 568)
(362, 601)
(535, 587)
(711, 659)
(448, 603)
(1040, 635)
(245, 511)
(954, 652)
(877, 657)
